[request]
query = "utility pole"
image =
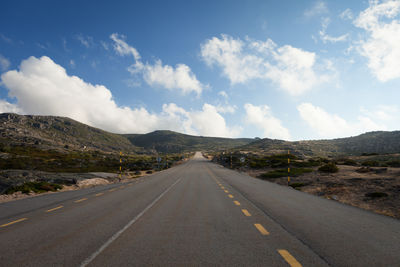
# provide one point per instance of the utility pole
(288, 169)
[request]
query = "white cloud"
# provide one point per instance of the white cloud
(104, 45)
(223, 94)
(209, 122)
(4, 63)
(328, 38)
(381, 47)
(86, 41)
(6, 107)
(318, 8)
(262, 118)
(122, 48)
(293, 69)
(347, 14)
(72, 63)
(179, 77)
(42, 87)
(329, 125)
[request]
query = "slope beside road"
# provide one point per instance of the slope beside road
(197, 213)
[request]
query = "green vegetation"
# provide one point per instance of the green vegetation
(371, 163)
(284, 173)
(297, 185)
(36, 187)
(376, 194)
(329, 168)
(32, 158)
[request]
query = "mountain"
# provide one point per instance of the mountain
(173, 142)
(64, 134)
(58, 133)
(380, 142)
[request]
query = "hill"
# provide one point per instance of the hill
(380, 142)
(173, 142)
(57, 133)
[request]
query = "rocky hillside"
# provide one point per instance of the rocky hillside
(172, 142)
(373, 142)
(58, 133)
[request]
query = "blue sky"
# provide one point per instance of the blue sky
(280, 69)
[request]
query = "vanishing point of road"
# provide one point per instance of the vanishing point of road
(195, 214)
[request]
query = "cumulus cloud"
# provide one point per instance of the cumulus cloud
(329, 125)
(43, 87)
(4, 63)
(6, 107)
(328, 38)
(293, 69)
(179, 77)
(381, 47)
(262, 118)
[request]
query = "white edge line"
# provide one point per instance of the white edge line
(117, 234)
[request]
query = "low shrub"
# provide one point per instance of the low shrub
(283, 173)
(37, 187)
(371, 163)
(393, 163)
(329, 168)
(297, 185)
(376, 194)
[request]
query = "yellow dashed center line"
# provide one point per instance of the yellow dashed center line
(112, 190)
(16, 221)
(80, 200)
(226, 191)
(237, 203)
(223, 188)
(246, 212)
(99, 194)
(56, 208)
(122, 186)
(230, 196)
(261, 228)
(289, 258)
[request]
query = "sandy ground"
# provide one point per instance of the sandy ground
(350, 187)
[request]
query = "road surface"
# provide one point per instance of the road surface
(195, 214)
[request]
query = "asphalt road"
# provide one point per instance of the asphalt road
(195, 214)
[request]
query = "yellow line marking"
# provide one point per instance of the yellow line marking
(246, 212)
(99, 194)
(261, 228)
(230, 196)
(56, 208)
(237, 203)
(112, 190)
(16, 221)
(222, 187)
(226, 191)
(289, 258)
(122, 186)
(80, 200)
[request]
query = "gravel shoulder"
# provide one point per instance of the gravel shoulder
(376, 190)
